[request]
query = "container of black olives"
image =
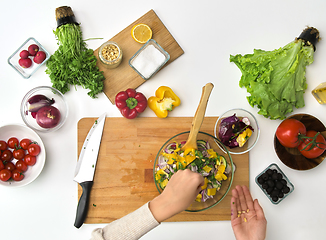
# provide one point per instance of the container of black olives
(274, 183)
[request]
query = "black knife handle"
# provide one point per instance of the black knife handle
(83, 203)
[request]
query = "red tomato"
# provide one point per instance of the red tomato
(10, 166)
(34, 149)
(1, 165)
(30, 160)
(6, 155)
(288, 131)
(3, 145)
(21, 165)
(5, 174)
(13, 142)
(17, 175)
(316, 145)
(24, 143)
(18, 153)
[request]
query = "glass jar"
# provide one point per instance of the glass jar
(320, 93)
(110, 54)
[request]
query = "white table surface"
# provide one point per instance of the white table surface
(208, 32)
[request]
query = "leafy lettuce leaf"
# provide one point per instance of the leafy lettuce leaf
(275, 79)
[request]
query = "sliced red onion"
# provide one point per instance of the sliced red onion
(38, 101)
(246, 121)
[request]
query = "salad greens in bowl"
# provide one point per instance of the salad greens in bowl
(238, 130)
(214, 165)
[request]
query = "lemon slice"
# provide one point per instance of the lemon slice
(141, 33)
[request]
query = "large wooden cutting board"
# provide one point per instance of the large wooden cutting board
(123, 77)
(123, 178)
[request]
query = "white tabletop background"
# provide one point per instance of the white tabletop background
(208, 32)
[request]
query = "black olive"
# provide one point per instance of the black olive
(275, 199)
(265, 186)
(270, 183)
(279, 185)
(274, 193)
(275, 176)
(269, 190)
(265, 176)
(281, 195)
(283, 181)
(269, 172)
(261, 180)
(279, 176)
(286, 190)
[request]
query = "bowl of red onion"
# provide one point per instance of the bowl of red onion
(208, 160)
(238, 130)
(44, 109)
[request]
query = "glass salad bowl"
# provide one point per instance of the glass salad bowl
(217, 170)
(241, 136)
(47, 97)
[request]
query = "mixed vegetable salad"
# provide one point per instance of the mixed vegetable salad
(212, 166)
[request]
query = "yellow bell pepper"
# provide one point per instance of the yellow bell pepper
(165, 100)
(205, 184)
(211, 191)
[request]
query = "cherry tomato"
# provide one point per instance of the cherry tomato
(288, 131)
(3, 145)
(24, 143)
(21, 165)
(18, 153)
(13, 142)
(10, 166)
(318, 147)
(1, 165)
(5, 174)
(30, 160)
(6, 155)
(34, 149)
(17, 175)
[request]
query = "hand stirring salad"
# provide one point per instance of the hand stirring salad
(212, 166)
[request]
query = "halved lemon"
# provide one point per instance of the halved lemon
(141, 33)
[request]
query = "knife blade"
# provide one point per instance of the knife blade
(85, 169)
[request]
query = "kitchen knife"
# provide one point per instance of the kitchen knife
(85, 168)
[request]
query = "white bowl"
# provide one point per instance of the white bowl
(21, 132)
(253, 122)
(59, 103)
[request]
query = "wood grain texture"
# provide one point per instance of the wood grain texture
(124, 180)
(124, 77)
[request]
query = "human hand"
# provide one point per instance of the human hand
(247, 217)
(179, 193)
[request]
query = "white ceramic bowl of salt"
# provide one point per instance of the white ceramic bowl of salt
(149, 59)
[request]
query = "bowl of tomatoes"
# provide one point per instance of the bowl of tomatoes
(22, 155)
(300, 143)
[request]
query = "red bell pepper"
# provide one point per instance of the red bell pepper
(130, 103)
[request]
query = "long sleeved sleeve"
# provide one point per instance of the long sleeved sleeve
(130, 227)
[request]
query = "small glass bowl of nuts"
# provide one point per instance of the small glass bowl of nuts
(110, 54)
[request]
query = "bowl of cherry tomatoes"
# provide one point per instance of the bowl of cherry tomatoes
(300, 142)
(22, 155)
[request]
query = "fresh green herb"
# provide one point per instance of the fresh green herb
(276, 79)
(73, 63)
(94, 205)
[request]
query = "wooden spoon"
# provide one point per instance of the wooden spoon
(198, 118)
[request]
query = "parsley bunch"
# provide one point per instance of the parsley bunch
(73, 63)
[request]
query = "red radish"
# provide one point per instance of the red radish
(24, 54)
(39, 57)
(48, 117)
(33, 49)
(25, 63)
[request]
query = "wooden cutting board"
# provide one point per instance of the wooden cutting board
(124, 77)
(124, 179)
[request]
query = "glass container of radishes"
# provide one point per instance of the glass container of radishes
(29, 57)
(44, 109)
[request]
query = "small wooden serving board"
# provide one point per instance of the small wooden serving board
(124, 77)
(124, 179)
